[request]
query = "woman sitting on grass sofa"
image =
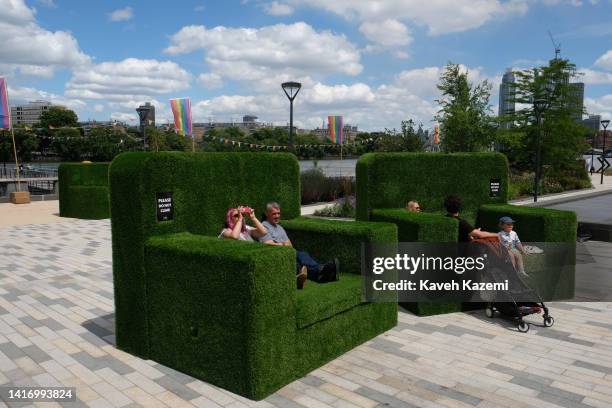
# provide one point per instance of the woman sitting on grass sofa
(237, 228)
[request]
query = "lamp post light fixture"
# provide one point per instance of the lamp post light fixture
(539, 106)
(604, 162)
(592, 169)
(291, 90)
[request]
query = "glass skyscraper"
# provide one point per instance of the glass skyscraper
(506, 97)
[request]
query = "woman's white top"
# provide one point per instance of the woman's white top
(244, 236)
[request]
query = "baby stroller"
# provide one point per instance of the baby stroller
(500, 268)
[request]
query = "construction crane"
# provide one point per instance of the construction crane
(556, 45)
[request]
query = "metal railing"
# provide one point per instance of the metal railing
(29, 173)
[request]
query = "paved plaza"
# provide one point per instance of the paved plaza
(57, 328)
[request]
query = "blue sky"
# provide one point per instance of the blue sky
(375, 62)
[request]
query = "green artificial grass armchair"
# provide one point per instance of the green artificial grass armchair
(228, 312)
(83, 190)
(386, 181)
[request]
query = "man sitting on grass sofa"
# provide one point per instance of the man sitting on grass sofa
(277, 235)
(467, 232)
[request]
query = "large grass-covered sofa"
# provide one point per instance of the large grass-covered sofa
(83, 190)
(386, 181)
(228, 312)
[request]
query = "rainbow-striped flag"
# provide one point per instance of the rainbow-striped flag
(181, 109)
(5, 112)
(335, 125)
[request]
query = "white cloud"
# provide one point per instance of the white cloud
(199, 8)
(16, 12)
(31, 48)
(130, 79)
(387, 33)
(346, 96)
(129, 118)
(439, 16)
(278, 9)
(259, 53)
(210, 80)
(98, 107)
(592, 77)
(21, 95)
(599, 106)
(605, 61)
(123, 14)
(411, 94)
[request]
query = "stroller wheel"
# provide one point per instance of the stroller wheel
(489, 312)
(523, 327)
(548, 321)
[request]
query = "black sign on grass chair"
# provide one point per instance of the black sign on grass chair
(164, 206)
(494, 187)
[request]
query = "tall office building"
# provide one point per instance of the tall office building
(506, 101)
(577, 91)
(146, 113)
(592, 123)
(29, 114)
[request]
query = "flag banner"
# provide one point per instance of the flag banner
(335, 125)
(181, 109)
(5, 113)
(436, 138)
(281, 147)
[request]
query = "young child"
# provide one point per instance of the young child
(511, 241)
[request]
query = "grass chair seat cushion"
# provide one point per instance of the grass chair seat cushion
(320, 301)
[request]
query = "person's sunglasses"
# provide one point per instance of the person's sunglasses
(236, 216)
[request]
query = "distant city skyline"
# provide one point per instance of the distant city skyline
(374, 62)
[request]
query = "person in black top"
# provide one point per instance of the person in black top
(467, 232)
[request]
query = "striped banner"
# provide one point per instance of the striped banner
(5, 112)
(335, 124)
(181, 109)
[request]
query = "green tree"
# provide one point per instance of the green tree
(562, 137)
(6, 147)
(405, 140)
(174, 141)
(104, 144)
(57, 116)
(25, 141)
(464, 117)
(69, 144)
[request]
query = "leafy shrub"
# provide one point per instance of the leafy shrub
(316, 187)
(83, 190)
(521, 184)
(342, 208)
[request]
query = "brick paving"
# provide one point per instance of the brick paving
(57, 329)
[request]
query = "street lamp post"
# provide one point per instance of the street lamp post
(291, 90)
(604, 162)
(540, 105)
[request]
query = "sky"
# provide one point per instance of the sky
(375, 62)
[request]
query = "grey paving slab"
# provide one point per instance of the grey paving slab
(595, 367)
(282, 402)
(36, 354)
(449, 392)
(561, 400)
(176, 387)
(383, 398)
(392, 347)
